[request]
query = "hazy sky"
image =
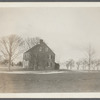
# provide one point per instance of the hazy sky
(67, 31)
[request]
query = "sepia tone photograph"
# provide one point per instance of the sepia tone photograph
(49, 49)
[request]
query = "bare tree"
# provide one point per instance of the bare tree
(96, 64)
(78, 63)
(90, 52)
(70, 64)
(67, 64)
(10, 47)
(30, 42)
(84, 64)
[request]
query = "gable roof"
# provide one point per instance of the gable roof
(49, 47)
(34, 47)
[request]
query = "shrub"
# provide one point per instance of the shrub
(19, 63)
(57, 66)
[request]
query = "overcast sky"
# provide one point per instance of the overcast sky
(67, 31)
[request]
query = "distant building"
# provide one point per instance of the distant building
(39, 57)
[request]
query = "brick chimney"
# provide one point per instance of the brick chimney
(41, 41)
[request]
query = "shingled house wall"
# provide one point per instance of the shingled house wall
(40, 57)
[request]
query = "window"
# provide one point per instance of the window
(40, 49)
(48, 64)
(50, 56)
(46, 49)
(26, 56)
(51, 64)
(27, 63)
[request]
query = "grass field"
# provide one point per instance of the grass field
(61, 82)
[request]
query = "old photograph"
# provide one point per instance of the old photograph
(49, 49)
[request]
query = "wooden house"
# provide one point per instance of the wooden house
(39, 57)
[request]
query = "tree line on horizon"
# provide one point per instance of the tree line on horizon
(12, 46)
(89, 62)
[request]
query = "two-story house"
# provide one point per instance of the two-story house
(39, 57)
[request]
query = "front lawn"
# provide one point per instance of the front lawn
(41, 83)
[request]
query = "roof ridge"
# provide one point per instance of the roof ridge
(39, 44)
(31, 48)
